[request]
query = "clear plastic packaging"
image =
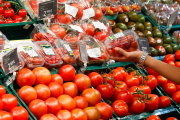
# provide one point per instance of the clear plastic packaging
(109, 8)
(176, 36)
(29, 55)
(3, 40)
(48, 53)
(126, 40)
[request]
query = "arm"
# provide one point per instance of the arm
(168, 71)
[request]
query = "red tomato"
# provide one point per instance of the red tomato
(7, 5)
(136, 106)
(125, 95)
(89, 29)
(67, 72)
(120, 108)
(43, 92)
(93, 96)
(38, 108)
(48, 117)
(137, 75)
(67, 102)
(12, 11)
(79, 114)
(171, 63)
(177, 64)
(27, 94)
(64, 19)
(81, 102)
(71, 38)
(80, 10)
(22, 13)
(170, 89)
(104, 89)
(151, 72)
(58, 30)
(2, 90)
(70, 88)
(116, 75)
(177, 87)
(82, 81)
(131, 81)
(101, 36)
(177, 55)
(92, 113)
(43, 75)
(134, 89)
(64, 115)
(19, 113)
(57, 78)
(122, 71)
(96, 79)
(98, 14)
(25, 77)
(5, 115)
(105, 110)
(7, 13)
(152, 103)
(55, 89)
(1, 104)
(171, 118)
(176, 97)
(146, 89)
(53, 105)
(153, 117)
(8, 21)
(169, 57)
(1, 10)
(121, 85)
(161, 80)
(164, 101)
(107, 78)
(151, 81)
(9, 101)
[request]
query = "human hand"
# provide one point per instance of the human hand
(127, 56)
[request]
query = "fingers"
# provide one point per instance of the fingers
(120, 59)
(120, 51)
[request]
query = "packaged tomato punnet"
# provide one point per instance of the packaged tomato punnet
(109, 8)
(126, 40)
(3, 40)
(48, 53)
(29, 55)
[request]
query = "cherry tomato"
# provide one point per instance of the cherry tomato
(22, 13)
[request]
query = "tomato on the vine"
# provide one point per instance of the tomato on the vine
(137, 75)
(89, 29)
(152, 102)
(7, 5)
(1, 10)
(136, 106)
(104, 89)
(131, 81)
(22, 13)
(125, 95)
(116, 75)
(7, 13)
(101, 36)
(146, 89)
(151, 81)
(98, 14)
(80, 10)
(96, 79)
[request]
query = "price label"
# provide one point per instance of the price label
(88, 13)
(6, 50)
(71, 10)
(10, 62)
(67, 47)
(112, 37)
(144, 45)
(99, 25)
(94, 53)
(172, 18)
(46, 9)
(75, 27)
(83, 53)
(47, 49)
(30, 51)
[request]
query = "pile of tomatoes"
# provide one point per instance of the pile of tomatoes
(155, 117)
(8, 15)
(110, 10)
(128, 8)
(9, 109)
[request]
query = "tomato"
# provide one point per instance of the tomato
(170, 88)
(70, 88)
(12, 11)
(53, 105)
(171, 118)
(93, 96)
(71, 38)
(176, 97)
(152, 103)
(2, 90)
(146, 89)
(58, 30)
(177, 87)
(151, 72)
(131, 81)
(137, 75)
(136, 106)
(1, 1)
(7, 13)
(22, 13)
(164, 101)
(151, 81)
(43, 92)
(104, 89)
(25, 77)
(96, 79)
(116, 75)
(65, 19)
(107, 78)
(161, 80)
(9, 101)
(134, 89)
(153, 117)
(17, 18)
(169, 57)
(43, 75)
(55, 89)
(89, 29)
(64, 115)
(134, 44)
(125, 95)
(120, 108)
(92, 113)
(81, 102)
(105, 110)
(27, 94)
(8, 21)
(177, 55)
(122, 71)
(19, 113)
(57, 78)
(101, 36)
(171, 63)
(82, 81)
(98, 14)
(7, 5)
(67, 102)
(1, 21)
(1, 104)
(121, 85)
(67, 72)
(48, 117)
(1, 10)
(80, 11)
(38, 108)
(79, 114)
(177, 64)
(5, 115)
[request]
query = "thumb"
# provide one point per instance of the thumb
(120, 51)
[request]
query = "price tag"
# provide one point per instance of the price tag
(112, 37)
(143, 44)
(6, 50)
(10, 62)
(30, 51)
(94, 53)
(118, 35)
(75, 27)
(83, 53)
(71, 10)
(67, 47)
(26, 26)
(46, 9)
(88, 13)
(99, 25)
(47, 49)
